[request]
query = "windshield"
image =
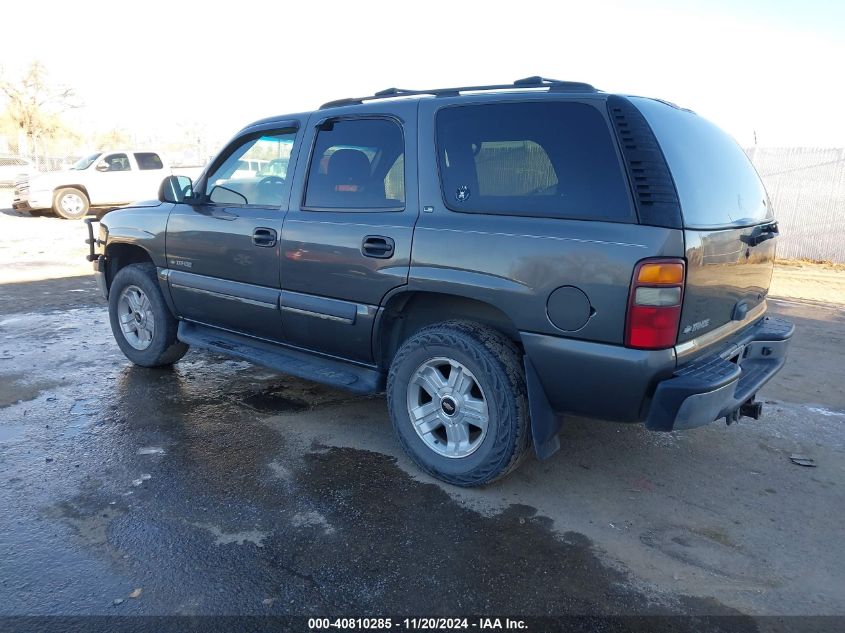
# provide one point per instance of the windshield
(85, 163)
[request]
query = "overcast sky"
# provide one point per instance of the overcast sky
(772, 67)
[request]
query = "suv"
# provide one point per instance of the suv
(490, 256)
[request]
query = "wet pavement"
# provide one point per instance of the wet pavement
(217, 487)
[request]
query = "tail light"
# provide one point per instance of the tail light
(654, 305)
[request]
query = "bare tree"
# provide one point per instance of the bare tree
(35, 105)
(113, 139)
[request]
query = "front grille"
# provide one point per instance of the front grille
(21, 191)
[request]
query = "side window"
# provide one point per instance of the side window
(357, 164)
(148, 160)
(244, 177)
(118, 162)
(545, 159)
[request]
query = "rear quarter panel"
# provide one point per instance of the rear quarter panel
(515, 263)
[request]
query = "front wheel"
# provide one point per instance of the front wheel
(141, 322)
(458, 402)
(71, 203)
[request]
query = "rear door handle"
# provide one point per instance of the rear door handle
(264, 237)
(378, 246)
(760, 234)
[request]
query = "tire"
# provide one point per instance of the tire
(481, 356)
(149, 339)
(70, 203)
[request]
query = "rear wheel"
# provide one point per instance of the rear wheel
(457, 399)
(71, 203)
(141, 322)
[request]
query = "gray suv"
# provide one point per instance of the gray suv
(490, 256)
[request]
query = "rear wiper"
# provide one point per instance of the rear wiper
(760, 234)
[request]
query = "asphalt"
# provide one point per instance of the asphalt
(217, 487)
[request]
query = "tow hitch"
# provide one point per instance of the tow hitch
(748, 409)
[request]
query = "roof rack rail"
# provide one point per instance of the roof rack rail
(554, 85)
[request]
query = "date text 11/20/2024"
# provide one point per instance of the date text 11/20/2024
(416, 624)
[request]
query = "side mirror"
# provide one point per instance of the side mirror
(175, 189)
(102, 166)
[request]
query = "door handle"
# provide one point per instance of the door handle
(378, 246)
(760, 234)
(264, 237)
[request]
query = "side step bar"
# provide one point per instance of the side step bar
(328, 371)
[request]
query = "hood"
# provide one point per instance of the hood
(53, 179)
(143, 204)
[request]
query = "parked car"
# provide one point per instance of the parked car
(13, 168)
(490, 256)
(101, 179)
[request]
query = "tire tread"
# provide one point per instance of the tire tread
(171, 348)
(487, 347)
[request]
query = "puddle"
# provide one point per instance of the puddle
(272, 400)
(15, 388)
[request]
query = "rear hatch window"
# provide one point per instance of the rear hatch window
(716, 183)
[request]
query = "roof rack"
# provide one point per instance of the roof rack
(554, 85)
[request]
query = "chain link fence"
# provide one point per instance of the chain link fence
(52, 163)
(807, 188)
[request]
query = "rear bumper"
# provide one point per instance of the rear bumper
(611, 382)
(717, 385)
(597, 380)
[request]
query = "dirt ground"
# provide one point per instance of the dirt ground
(40, 248)
(807, 281)
(218, 487)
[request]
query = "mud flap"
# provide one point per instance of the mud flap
(545, 424)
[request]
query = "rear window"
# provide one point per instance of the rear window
(542, 159)
(148, 160)
(716, 183)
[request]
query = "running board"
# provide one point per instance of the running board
(328, 371)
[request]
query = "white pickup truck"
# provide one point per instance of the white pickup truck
(104, 179)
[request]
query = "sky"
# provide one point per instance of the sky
(765, 69)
